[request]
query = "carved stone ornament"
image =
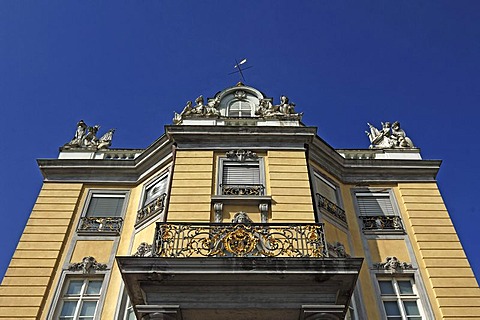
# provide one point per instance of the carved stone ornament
(144, 250)
(240, 94)
(264, 109)
(284, 110)
(241, 155)
(337, 249)
(389, 137)
(86, 138)
(241, 218)
(393, 264)
(87, 265)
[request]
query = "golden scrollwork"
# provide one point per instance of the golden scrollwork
(240, 242)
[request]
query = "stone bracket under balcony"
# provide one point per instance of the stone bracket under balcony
(264, 204)
(234, 288)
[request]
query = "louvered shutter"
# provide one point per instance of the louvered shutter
(244, 174)
(375, 205)
(325, 189)
(105, 206)
(156, 190)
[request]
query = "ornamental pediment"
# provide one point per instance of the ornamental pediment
(239, 102)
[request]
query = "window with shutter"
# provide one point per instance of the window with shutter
(375, 204)
(154, 200)
(105, 205)
(241, 178)
(104, 212)
(377, 213)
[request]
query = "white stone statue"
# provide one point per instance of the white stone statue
(390, 136)
(86, 138)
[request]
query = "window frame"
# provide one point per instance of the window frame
(224, 160)
(334, 215)
(82, 297)
(91, 194)
(164, 175)
(400, 298)
(391, 224)
(239, 111)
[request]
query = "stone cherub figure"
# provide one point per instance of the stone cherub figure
(86, 138)
(200, 109)
(390, 136)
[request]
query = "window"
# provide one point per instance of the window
(377, 212)
(240, 108)
(154, 199)
(129, 313)
(80, 299)
(104, 213)
(326, 189)
(327, 197)
(241, 178)
(400, 299)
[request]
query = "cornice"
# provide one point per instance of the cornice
(368, 171)
(108, 171)
(159, 153)
(227, 137)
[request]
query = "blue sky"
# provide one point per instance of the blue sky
(129, 64)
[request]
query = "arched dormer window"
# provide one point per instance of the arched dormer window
(240, 108)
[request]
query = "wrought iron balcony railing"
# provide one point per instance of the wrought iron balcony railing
(152, 208)
(239, 240)
(100, 224)
(331, 208)
(242, 190)
(379, 223)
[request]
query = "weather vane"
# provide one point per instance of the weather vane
(240, 69)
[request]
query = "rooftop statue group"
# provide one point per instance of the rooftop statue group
(389, 137)
(86, 138)
(211, 110)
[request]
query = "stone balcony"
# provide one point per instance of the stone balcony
(239, 271)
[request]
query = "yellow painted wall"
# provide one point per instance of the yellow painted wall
(192, 186)
(30, 275)
(451, 285)
(289, 186)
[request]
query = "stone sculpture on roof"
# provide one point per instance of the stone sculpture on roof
(86, 138)
(261, 107)
(389, 137)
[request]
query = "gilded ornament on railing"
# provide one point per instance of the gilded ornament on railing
(331, 208)
(101, 224)
(239, 240)
(154, 207)
(382, 223)
(87, 265)
(242, 190)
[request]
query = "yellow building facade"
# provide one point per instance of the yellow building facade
(239, 211)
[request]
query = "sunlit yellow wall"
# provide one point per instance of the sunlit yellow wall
(30, 275)
(451, 285)
(191, 186)
(289, 187)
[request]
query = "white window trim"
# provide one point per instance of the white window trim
(223, 160)
(242, 101)
(65, 279)
(398, 297)
(103, 193)
(165, 174)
